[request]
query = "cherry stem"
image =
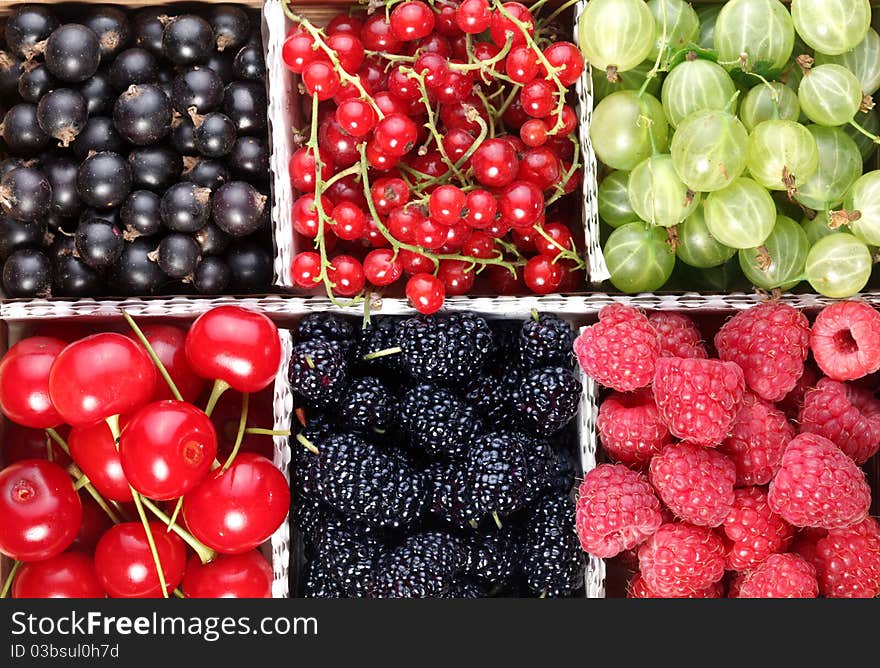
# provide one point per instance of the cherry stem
(81, 482)
(179, 594)
(7, 584)
(307, 444)
(161, 367)
(258, 431)
(173, 521)
(220, 386)
(50, 453)
(242, 423)
(206, 554)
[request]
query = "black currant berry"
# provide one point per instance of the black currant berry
(21, 131)
(178, 255)
(212, 276)
(249, 63)
(147, 28)
(133, 66)
(197, 87)
(111, 26)
(245, 103)
(139, 215)
(182, 136)
(212, 240)
(27, 273)
(25, 194)
(63, 114)
(98, 92)
(134, 272)
(249, 159)
(35, 83)
(206, 173)
(27, 26)
(98, 135)
(231, 26)
(185, 207)
(10, 71)
(155, 167)
(110, 215)
(251, 266)
(62, 174)
(142, 114)
(238, 208)
(98, 243)
(72, 277)
(222, 65)
(73, 53)
(214, 134)
(104, 180)
(9, 164)
(188, 39)
(15, 235)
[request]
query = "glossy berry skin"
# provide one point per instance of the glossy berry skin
(426, 293)
(495, 163)
(246, 575)
(395, 135)
(521, 204)
(381, 268)
(347, 275)
(356, 117)
(234, 511)
(473, 16)
(24, 382)
(94, 450)
(235, 345)
(305, 268)
(101, 376)
(125, 565)
(412, 20)
(542, 276)
(40, 508)
(348, 221)
(168, 342)
(500, 26)
(69, 575)
(167, 448)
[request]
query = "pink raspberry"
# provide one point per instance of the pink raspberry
(695, 482)
(616, 510)
(780, 576)
(770, 342)
(678, 335)
(638, 589)
(752, 532)
(698, 399)
(848, 561)
(757, 440)
(620, 350)
(630, 428)
(680, 559)
(847, 415)
(817, 485)
(794, 400)
(805, 542)
(846, 340)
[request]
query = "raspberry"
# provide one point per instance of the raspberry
(819, 486)
(695, 482)
(757, 440)
(846, 340)
(698, 399)
(848, 561)
(780, 576)
(752, 532)
(847, 415)
(805, 542)
(680, 559)
(630, 428)
(620, 350)
(678, 335)
(638, 589)
(793, 402)
(770, 342)
(616, 510)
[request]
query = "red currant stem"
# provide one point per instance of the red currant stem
(307, 444)
(564, 253)
(152, 353)
(206, 554)
(497, 520)
(391, 57)
(220, 386)
(509, 99)
(557, 11)
(575, 166)
(485, 64)
(383, 353)
(492, 114)
(257, 431)
(341, 175)
(535, 7)
(242, 423)
(7, 584)
(173, 521)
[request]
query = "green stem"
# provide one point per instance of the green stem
(257, 431)
(858, 127)
(558, 11)
(383, 353)
(173, 521)
(564, 253)
(7, 584)
(575, 166)
(497, 520)
(307, 444)
(220, 386)
(242, 423)
(146, 344)
(206, 554)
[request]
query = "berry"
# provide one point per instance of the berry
(847, 415)
(848, 561)
(698, 399)
(817, 485)
(444, 349)
(318, 372)
(616, 510)
(551, 560)
(794, 400)
(437, 421)
(621, 350)
(846, 340)
(757, 439)
(638, 589)
(752, 531)
(695, 482)
(770, 343)
(425, 292)
(347, 554)
(378, 336)
(780, 576)
(419, 568)
(680, 559)
(451, 496)
(368, 406)
(498, 473)
(630, 428)
(324, 327)
(492, 557)
(493, 396)
(678, 335)
(548, 399)
(542, 276)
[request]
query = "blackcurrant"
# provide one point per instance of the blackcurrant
(98, 135)
(8, 164)
(104, 180)
(110, 24)
(245, 103)
(222, 65)
(206, 173)
(25, 194)
(134, 272)
(27, 273)
(21, 131)
(178, 255)
(155, 167)
(238, 208)
(251, 266)
(63, 114)
(133, 66)
(110, 215)
(98, 243)
(249, 63)
(185, 207)
(10, 71)
(214, 134)
(27, 26)
(139, 215)
(72, 277)
(187, 40)
(197, 87)
(142, 114)
(35, 83)
(98, 92)
(15, 235)
(249, 159)
(231, 26)
(73, 53)
(212, 276)
(212, 240)
(147, 28)
(62, 174)
(182, 136)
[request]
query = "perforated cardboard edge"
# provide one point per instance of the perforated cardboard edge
(283, 411)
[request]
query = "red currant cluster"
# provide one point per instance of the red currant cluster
(441, 142)
(96, 512)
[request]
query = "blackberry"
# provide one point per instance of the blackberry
(318, 372)
(494, 396)
(379, 335)
(349, 555)
(319, 582)
(369, 485)
(552, 561)
(464, 588)
(492, 557)
(309, 516)
(438, 422)
(450, 496)
(541, 460)
(548, 399)
(368, 406)
(448, 350)
(324, 327)
(545, 340)
(497, 470)
(564, 469)
(422, 567)
(505, 334)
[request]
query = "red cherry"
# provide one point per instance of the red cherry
(347, 221)
(21, 443)
(495, 163)
(447, 204)
(538, 98)
(234, 511)
(381, 267)
(69, 575)
(426, 293)
(94, 523)
(347, 275)
(94, 450)
(168, 344)
(101, 376)
(24, 382)
(415, 263)
(237, 346)
(227, 415)
(388, 193)
(473, 16)
(124, 563)
(349, 49)
(356, 117)
(533, 132)
(567, 56)
(560, 234)
(305, 268)
(343, 23)
(412, 20)
(246, 575)
(521, 204)
(377, 35)
(395, 135)
(457, 279)
(500, 26)
(541, 275)
(521, 64)
(479, 245)
(481, 208)
(40, 509)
